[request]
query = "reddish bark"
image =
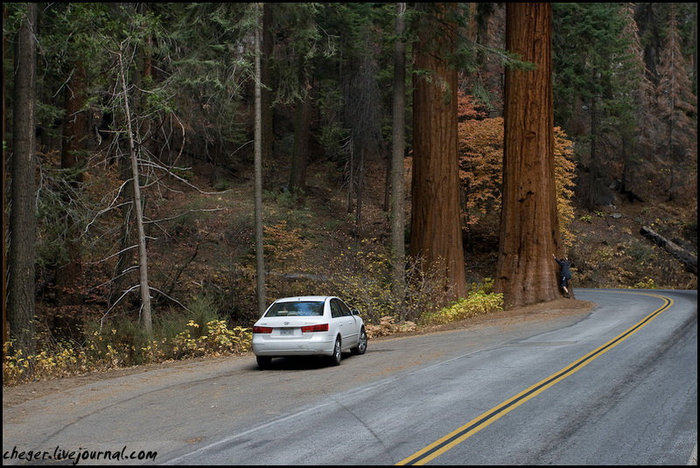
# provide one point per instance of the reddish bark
(436, 232)
(529, 232)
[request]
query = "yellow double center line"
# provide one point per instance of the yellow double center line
(461, 434)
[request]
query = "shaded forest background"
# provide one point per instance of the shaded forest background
(625, 111)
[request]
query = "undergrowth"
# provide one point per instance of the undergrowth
(480, 300)
(125, 344)
(201, 333)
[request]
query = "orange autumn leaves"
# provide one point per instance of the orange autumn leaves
(480, 150)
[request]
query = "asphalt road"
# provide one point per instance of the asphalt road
(617, 385)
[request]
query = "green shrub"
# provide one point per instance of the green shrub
(203, 309)
(362, 276)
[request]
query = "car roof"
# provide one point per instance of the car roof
(304, 298)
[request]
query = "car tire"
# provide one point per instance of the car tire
(362, 344)
(263, 361)
(337, 353)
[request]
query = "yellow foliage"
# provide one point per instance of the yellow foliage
(481, 166)
(474, 304)
(284, 245)
(646, 283)
(97, 354)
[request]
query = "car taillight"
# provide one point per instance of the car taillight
(262, 329)
(315, 328)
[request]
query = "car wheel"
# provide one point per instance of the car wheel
(362, 344)
(337, 354)
(263, 361)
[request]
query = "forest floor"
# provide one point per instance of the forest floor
(213, 251)
(607, 249)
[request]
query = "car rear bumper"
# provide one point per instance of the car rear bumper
(293, 347)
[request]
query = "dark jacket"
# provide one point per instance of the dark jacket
(564, 265)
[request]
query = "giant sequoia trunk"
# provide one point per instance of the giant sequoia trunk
(529, 233)
(436, 232)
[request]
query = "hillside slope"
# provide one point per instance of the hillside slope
(306, 236)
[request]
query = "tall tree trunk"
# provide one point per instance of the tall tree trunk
(4, 200)
(75, 132)
(302, 131)
(143, 256)
(75, 123)
(21, 294)
(360, 187)
(397, 154)
(529, 232)
(594, 165)
(259, 253)
(268, 134)
(351, 177)
(436, 232)
(387, 183)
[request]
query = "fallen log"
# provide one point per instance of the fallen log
(685, 257)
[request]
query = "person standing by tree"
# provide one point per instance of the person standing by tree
(565, 272)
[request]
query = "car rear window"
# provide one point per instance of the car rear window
(291, 309)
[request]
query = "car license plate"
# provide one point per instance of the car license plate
(286, 331)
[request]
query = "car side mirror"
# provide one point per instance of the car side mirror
(354, 312)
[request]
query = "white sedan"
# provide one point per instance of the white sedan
(308, 325)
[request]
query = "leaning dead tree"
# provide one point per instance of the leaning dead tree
(143, 256)
(143, 172)
(686, 258)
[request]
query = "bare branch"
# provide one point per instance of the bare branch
(136, 286)
(133, 267)
(171, 298)
(110, 206)
(114, 254)
(202, 210)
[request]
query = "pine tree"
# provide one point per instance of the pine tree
(678, 109)
(20, 290)
(592, 86)
(397, 158)
(639, 145)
